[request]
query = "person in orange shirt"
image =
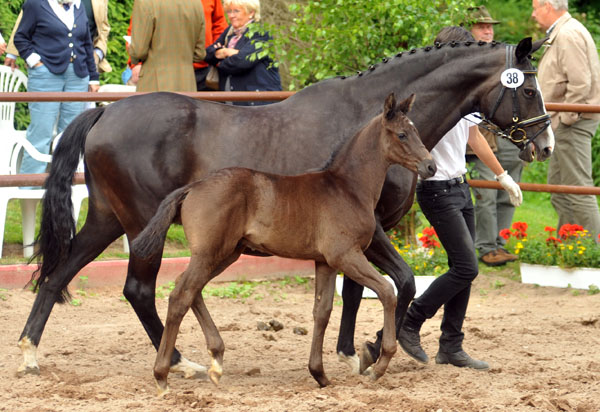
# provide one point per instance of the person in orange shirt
(215, 24)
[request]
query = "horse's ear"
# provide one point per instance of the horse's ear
(523, 49)
(536, 45)
(405, 105)
(389, 107)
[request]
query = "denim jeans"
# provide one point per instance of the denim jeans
(449, 209)
(45, 115)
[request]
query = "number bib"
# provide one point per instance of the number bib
(512, 78)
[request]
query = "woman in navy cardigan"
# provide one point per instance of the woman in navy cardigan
(54, 39)
(231, 51)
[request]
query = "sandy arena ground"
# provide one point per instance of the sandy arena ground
(542, 343)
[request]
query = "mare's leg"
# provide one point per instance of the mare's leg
(351, 297)
(99, 231)
(382, 253)
(355, 265)
(324, 288)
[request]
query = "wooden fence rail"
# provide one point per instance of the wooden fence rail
(38, 179)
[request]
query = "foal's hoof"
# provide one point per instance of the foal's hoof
(189, 369)
(215, 372)
(352, 361)
(27, 370)
(162, 387)
(374, 375)
(366, 358)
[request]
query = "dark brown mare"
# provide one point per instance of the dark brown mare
(140, 149)
(326, 216)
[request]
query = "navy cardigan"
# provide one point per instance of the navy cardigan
(42, 32)
(245, 75)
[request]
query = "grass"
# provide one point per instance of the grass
(536, 210)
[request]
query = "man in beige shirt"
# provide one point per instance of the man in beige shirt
(569, 72)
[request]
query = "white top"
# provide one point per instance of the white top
(449, 152)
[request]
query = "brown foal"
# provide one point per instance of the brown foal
(326, 216)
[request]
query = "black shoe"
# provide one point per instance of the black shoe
(460, 359)
(410, 342)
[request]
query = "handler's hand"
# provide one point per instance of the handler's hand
(513, 189)
(12, 63)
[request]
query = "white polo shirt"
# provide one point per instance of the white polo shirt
(449, 152)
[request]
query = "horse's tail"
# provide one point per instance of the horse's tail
(58, 226)
(152, 238)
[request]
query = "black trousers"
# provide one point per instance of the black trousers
(449, 208)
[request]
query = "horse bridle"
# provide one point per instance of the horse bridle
(517, 124)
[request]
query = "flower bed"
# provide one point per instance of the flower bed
(573, 246)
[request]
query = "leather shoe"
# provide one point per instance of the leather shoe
(508, 256)
(460, 359)
(493, 258)
(410, 342)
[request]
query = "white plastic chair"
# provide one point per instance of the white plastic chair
(12, 143)
(117, 88)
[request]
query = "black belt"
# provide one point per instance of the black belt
(442, 183)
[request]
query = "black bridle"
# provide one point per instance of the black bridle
(515, 132)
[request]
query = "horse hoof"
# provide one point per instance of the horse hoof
(215, 372)
(215, 377)
(27, 370)
(366, 358)
(29, 365)
(373, 375)
(189, 369)
(352, 361)
(163, 388)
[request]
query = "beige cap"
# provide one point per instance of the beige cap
(479, 14)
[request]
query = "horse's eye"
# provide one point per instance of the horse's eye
(530, 92)
(402, 136)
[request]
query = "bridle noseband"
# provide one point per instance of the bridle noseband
(517, 124)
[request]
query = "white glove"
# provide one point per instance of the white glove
(513, 189)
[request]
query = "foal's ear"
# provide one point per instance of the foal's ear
(523, 49)
(405, 105)
(389, 107)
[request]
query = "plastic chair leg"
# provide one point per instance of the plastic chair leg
(3, 207)
(28, 210)
(125, 244)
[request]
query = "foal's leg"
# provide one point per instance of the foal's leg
(97, 233)
(180, 300)
(140, 291)
(355, 265)
(214, 342)
(324, 288)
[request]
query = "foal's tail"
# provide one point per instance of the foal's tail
(152, 238)
(58, 226)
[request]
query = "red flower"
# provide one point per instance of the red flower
(520, 230)
(505, 233)
(429, 231)
(552, 240)
(570, 230)
(429, 238)
(549, 229)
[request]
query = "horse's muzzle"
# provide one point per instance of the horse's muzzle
(426, 168)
